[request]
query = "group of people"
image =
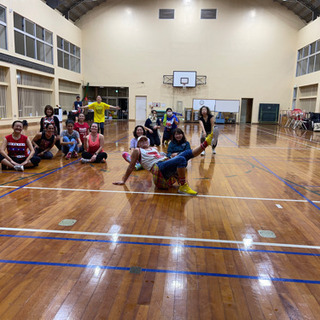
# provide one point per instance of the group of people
(18, 152)
(170, 167)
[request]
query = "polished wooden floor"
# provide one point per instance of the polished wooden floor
(135, 252)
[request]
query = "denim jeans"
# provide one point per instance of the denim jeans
(169, 168)
(69, 147)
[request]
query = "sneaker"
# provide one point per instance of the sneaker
(213, 151)
(209, 138)
(18, 167)
(203, 153)
(185, 189)
(85, 160)
(68, 156)
(138, 166)
(75, 154)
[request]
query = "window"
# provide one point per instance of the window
(68, 55)
(308, 59)
(32, 40)
(32, 100)
(3, 93)
(3, 28)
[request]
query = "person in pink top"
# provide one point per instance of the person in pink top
(83, 129)
(93, 144)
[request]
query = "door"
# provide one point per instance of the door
(246, 110)
(141, 108)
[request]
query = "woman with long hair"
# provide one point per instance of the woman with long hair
(206, 122)
(178, 144)
(44, 141)
(51, 118)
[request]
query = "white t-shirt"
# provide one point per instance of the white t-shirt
(149, 157)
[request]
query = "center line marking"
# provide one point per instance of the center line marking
(161, 194)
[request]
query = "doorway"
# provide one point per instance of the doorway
(246, 110)
(141, 108)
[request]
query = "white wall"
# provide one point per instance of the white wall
(249, 51)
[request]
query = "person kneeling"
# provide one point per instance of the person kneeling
(165, 172)
(17, 156)
(93, 144)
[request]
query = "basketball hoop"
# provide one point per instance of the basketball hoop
(184, 82)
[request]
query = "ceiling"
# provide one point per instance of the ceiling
(306, 10)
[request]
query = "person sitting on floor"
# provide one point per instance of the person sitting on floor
(70, 141)
(137, 132)
(165, 171)
(44, 141)
(16, 151)
(93, 144)
(178, 144)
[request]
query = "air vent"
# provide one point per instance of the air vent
(166, 14)
(208, 13)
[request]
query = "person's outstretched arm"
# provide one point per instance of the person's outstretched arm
(131, 167)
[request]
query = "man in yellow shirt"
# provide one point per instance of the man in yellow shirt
(99, 109)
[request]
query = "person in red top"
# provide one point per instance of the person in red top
(93, 144)
(17, 145)
(83, 129)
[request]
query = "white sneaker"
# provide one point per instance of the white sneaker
(85, 160)
(18, 167)
(213, 151)
(203, 153)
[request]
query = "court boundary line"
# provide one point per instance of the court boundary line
(43, 176)
(158, 194)
(196, 273)
(287, 184)
(140, 236)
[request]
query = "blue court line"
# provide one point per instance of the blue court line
(286, 183)
(47, 174)
(230, 140)
(162, 245)
(208, 274)
(120, 139)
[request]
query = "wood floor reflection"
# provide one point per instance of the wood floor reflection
(136, 252)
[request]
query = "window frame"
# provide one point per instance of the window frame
(68, 56)
(4, 24)
(35, 39)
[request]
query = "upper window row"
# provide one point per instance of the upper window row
(36, 42)
(308, 59)
(3, 28)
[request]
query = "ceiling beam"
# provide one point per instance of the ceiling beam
(66, 12)
(314, 10)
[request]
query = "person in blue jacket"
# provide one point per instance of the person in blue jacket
(170, 122)
(178, 144)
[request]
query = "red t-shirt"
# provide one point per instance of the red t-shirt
(83, 129)
(17, 148)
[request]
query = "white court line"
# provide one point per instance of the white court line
(120, 235)
(159, 194)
